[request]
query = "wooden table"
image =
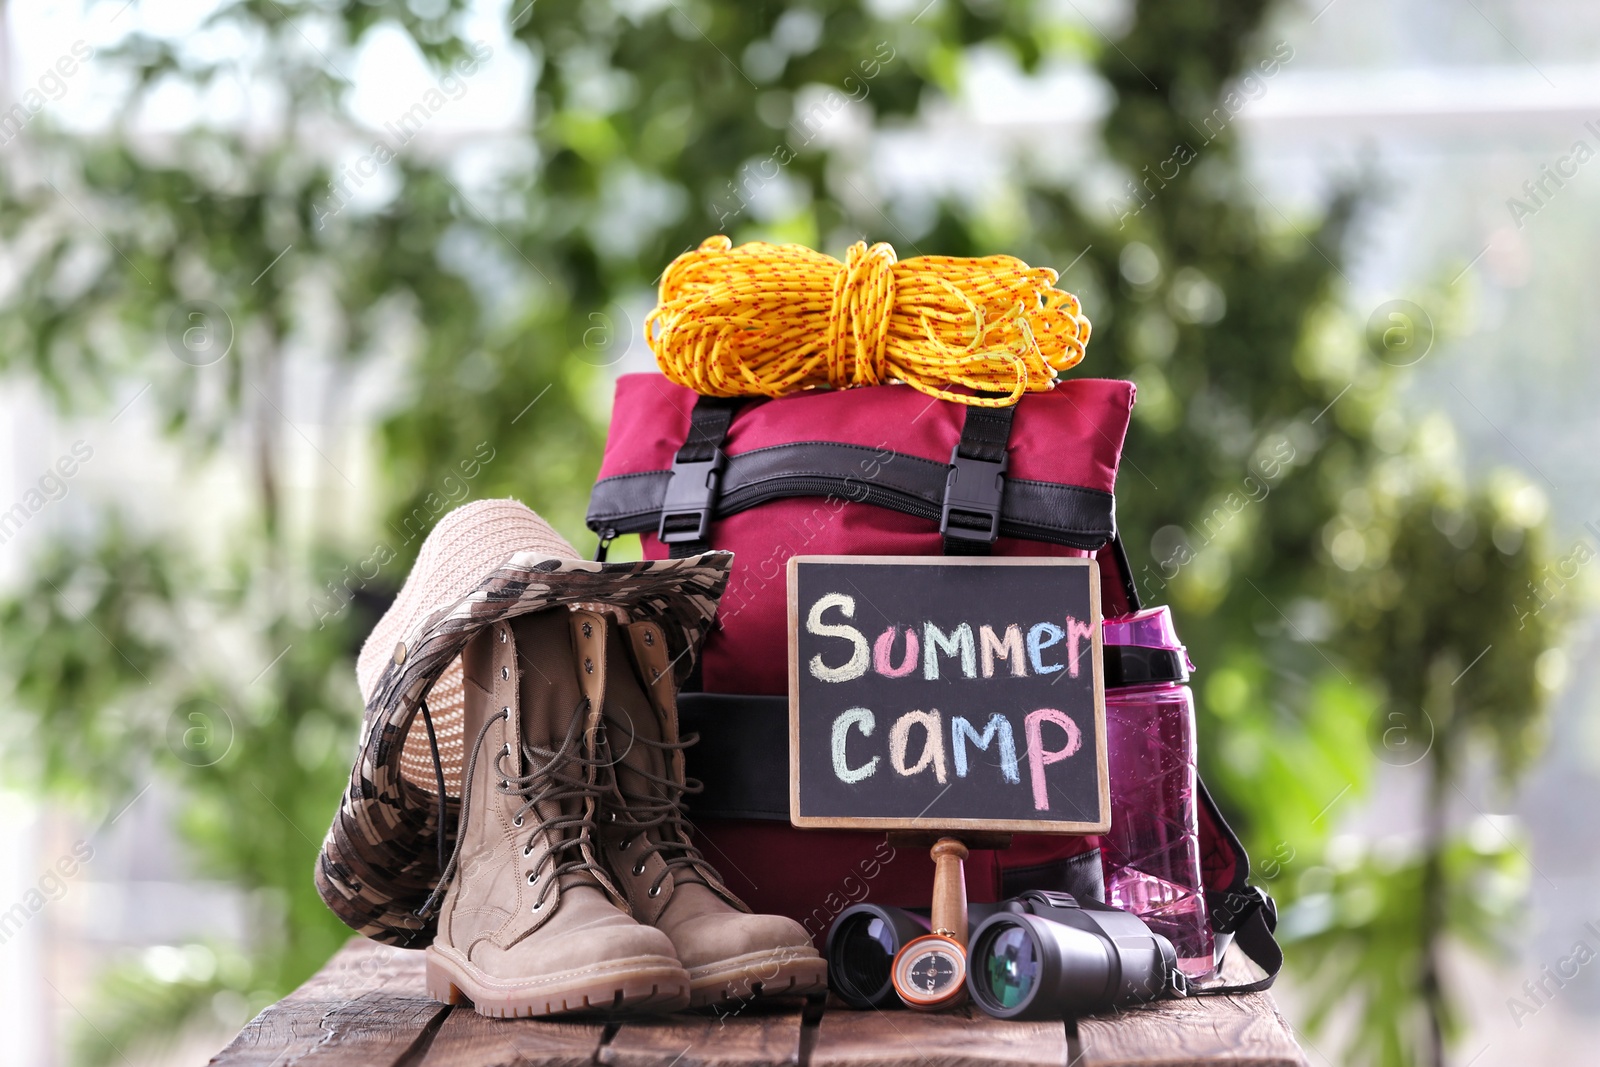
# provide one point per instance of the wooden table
(368, 1008)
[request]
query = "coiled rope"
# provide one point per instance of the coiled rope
(770, 320)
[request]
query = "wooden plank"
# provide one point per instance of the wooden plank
(755, 1037)
(962, 1038)
(367, 1006)
(1244, 1030)
(468, 1039)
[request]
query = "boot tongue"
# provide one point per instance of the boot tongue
(635, 731)
(688, 874)
(579, 879)
(551, 710)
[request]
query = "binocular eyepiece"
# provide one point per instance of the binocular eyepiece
(1041, 955)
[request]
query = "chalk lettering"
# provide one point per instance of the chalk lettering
(856, 665)
(957, 642)
(1040, 637)
(962, 731)
(1076, 631)
(863, 718)
(932, 745)
(1039, 758)
(1007, 648)
(882, 648)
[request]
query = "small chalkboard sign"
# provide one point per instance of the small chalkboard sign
(939, 693)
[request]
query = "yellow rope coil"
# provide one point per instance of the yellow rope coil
(770, 320)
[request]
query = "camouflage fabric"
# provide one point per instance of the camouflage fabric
(379, 863)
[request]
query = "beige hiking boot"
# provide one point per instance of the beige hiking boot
(645, 839)
(531, 923)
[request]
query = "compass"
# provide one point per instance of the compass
(930, 972)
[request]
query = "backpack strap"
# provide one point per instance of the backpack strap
(705, 478)
(1240, 913)
(969, 518)
(696, 477)
(1115, 558)
(1252, 917)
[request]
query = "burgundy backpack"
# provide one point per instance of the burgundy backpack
(883, 470)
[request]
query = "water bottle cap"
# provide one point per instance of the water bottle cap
(1143, 649)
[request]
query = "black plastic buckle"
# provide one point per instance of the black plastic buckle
(972, 491)
(691, 492)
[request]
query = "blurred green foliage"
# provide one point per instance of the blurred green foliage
(1332, 571)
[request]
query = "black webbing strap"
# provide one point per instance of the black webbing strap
(986, 433)
(970, 518)
(1241, 914)
(438, 774)
(1255, 940)
(1249, 917)
(1119, 556)
(696, 476)
(708, 426)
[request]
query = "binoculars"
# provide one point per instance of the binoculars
(1040, 955)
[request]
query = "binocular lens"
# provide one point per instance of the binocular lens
(1009, 965)
(861, 949)
(866, 951)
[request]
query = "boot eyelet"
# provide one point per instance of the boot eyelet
(611, 816)
(531, 879)
(527, 850)
(588, 666)
(504, 636)
(505, 750)
(587, 629)
(537, 906)
(622, 846)
(655, 891)
(517, 821)
(638, 869)
(649, 638)
(505, 672)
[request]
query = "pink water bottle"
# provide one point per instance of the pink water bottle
(1152, 854)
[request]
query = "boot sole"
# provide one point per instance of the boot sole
(639, 984)
(783, 972)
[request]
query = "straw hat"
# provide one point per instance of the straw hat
(484, 562)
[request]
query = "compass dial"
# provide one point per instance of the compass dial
(931, 971)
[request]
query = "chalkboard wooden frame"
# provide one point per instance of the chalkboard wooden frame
(1003, 826)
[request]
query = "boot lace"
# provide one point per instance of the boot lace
(566, 775)
(663, 811)
(558, 775)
